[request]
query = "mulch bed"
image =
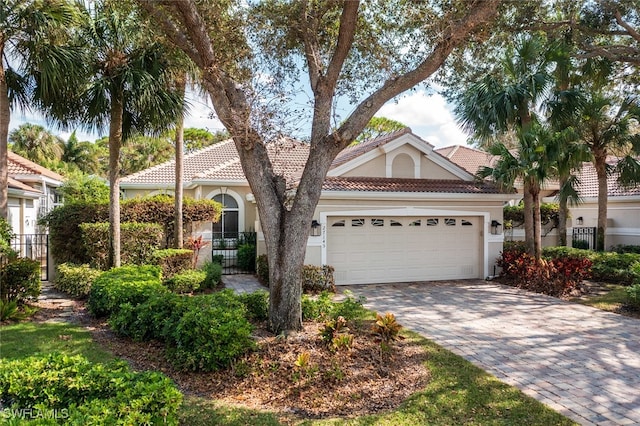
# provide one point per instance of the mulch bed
(360, 381)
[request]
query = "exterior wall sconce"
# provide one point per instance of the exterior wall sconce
(496, 227)
(580, 221)
(315, 228)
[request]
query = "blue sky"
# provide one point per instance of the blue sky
(428, 115)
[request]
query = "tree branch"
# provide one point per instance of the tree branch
(346, 35)
(310, 42)
(170, 29)
(632, 31)
(481, 13)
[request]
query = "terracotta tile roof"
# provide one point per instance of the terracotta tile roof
(16, 184)
(353, 151)
(373, 184)
(221, 162)
(588, 182)
(470, 159)
(19, 165)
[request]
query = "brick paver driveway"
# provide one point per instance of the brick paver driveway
(582, 362)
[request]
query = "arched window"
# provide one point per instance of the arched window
(227, 226)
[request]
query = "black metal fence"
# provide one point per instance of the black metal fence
(236, 251)
(584, 238)
(32, 246)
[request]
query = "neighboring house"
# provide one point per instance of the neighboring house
(31, 193)
(392, 209)
(623, 204)
(623, 207)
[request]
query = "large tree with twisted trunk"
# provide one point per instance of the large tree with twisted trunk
(252, 55)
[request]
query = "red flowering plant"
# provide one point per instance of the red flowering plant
(196, 244)
(555, 277)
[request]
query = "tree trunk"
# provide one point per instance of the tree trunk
(529, 233)
(537, 222)
(178, 193)
(285, 279)
(600, 164)
(115, 141)
(563, 215)
(5, 116)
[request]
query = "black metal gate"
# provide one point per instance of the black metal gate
(35, 247)
(235, 251)
(584, 238)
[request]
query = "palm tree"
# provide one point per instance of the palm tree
(605, 126)
(531, 164)
(81, 155)
(127, 89)
(36, 143)
(507, 102)
(34, 64)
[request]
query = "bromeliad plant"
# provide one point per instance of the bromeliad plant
(196, 244)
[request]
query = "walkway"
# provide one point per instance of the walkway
(580, 361)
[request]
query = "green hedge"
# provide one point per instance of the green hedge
(64, 221)
(202, 333)
(615, 267)
(138, 242)
(84, 393)
(75, 280)
(211, 333)
(173, 261)
(213, 272)
(186, 281)
(314, 278)
(20, 280)
(247, 257)
(607, 266)
(127, 284)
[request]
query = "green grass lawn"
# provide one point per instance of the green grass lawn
(611, 301)
(458, 393)
(28, 338)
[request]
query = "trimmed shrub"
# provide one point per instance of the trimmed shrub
(64, 228)
(262, 269)
(256, 303)
(86, 393)
(173, 261)
(138, 242)
(580, 244)
(75, 280)
(626, 249)
(211, 333)
(247, 257)
(560, 251)
(156, 318)
(20, 280)
(218, 258)
(322, 307)
(615, 267)
(213, 273)
(186, 282)
(127, 284)
(64, 221)
(314, 278)
(633, 296)
(318, 278)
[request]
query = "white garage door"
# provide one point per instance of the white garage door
(366, 250)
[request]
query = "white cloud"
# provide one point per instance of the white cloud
(201, 113)
(429, 116)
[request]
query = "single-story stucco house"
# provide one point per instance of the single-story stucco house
(31, 193)
(392, 209)
(623, 204)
